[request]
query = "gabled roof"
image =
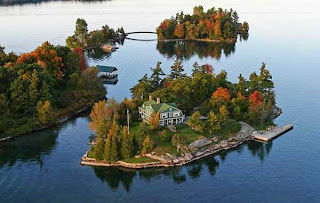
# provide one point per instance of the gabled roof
(162, 107)
(108, 69)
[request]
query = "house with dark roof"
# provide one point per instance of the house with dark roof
(169, 113)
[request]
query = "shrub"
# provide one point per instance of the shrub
(164, 136)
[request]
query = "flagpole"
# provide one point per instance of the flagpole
(128, 120)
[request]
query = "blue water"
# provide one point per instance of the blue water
(44, 167)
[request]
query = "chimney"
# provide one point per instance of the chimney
(150, 97)
(158, 100)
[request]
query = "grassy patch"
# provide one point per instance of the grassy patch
(228, 129)
(190, 134)
(139, 160)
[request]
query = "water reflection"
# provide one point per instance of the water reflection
(185, 50)
(114, 177)
(29, 148)
(260, 150)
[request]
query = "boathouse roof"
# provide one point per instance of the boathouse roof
(108, 69)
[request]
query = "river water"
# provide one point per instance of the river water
(44, 166)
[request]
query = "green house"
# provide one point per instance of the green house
(169, 113)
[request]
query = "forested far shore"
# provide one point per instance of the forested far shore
(41, 87)
(213, 25)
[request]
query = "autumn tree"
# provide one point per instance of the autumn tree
(255, 106)
(155, 121)
(98, 114)
(195, 122)
(212, 123)
(179, 32)
(80, 53)
(223, 114)
(44, 110)
(148, 145)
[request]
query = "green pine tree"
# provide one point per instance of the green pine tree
(33, 91)
(127, 147)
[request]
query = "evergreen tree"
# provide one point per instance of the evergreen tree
(45, 92)
(212, 123)
(98, 149)
(18, 96)
(155, 78)
(237, 113)
(195, 69)
(33, 91)
(127, 147)
(107, 149)
(4, 105)
(241, 86)
(176, 69)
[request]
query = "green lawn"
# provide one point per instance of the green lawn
(139, 160)
(227, 129)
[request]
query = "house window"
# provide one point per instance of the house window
(170, 114)
(176, 114)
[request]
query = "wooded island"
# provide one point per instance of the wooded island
(214, 25)
(185, 109)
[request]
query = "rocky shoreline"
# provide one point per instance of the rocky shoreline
(192, 152)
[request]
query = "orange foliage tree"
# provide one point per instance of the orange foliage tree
(222, 93)
(255, 100)
(179, 31)
(46, 57)
(155, 122)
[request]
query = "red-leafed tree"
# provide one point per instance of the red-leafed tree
(255, 100)
(209, 68)
(80, 52)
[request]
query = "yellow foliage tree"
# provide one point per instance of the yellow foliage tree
(44, 111)
(98, 114)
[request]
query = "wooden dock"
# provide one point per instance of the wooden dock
(270, 134)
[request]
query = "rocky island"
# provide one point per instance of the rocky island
(191, 117)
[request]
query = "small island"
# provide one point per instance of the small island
(174, 119)
(211, 26)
